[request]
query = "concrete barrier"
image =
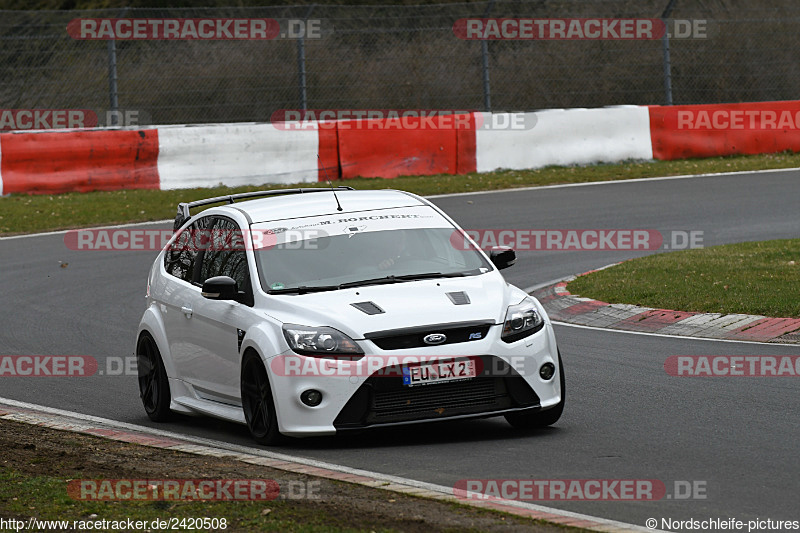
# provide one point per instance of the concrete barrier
(235, 155)
(567, 137)
(175, 157)
(370, 149)
(682, 132)
(50, 162)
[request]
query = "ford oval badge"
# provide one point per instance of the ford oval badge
(435, 338)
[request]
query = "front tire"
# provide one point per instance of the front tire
(540, 419)
(257, 403)
(153, 380)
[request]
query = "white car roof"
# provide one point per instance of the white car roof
(323, 203)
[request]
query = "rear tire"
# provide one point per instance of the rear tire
(257, 403)
(540, 419)
(153, 380)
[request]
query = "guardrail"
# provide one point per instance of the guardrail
(174, 157)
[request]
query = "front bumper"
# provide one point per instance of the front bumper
(356, 399)
(385, 400)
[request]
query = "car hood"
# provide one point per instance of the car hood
(404, 304)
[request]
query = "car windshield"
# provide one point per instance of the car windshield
(355, 258)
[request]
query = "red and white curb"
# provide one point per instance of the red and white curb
(120, 431)
(563, 306)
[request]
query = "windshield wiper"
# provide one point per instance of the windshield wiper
(398, 279)
(428, 275)
(303, 289)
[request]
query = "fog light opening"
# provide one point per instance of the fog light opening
(311, 397)
(547, 371)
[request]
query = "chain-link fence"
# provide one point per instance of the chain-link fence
(399, 57)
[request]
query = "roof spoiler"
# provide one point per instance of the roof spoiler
(184, 207)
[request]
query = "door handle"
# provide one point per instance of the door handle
(186, 310)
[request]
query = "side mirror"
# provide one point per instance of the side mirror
(220, 288)
(502, 257)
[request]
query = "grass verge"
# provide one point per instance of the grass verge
(36, 213)
(755, 278)
(40, 461)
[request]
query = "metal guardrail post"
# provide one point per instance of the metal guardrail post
(487, 93)
(301, 62)
(113, 86)
(113, 90)
(665, 53)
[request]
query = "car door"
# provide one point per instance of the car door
(181, 294)
(218, 326)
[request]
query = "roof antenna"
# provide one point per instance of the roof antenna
(338, 205)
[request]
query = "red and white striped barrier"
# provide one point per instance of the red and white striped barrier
(567, 137)
(682, 132)
(234, 155)
(87, 160)
(175, 157)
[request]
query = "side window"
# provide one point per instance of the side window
(225, 255)
(180, 258)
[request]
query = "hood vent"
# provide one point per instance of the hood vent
(370, 308)
(458, 298)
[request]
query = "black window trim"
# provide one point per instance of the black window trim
(249, 298)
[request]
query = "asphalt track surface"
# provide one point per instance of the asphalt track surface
(625, 417)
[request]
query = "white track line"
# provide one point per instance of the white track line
(355, 471)
(559, 280)
(63, 231)
(498, 191)
(538, 286)
(619, 182)
(302, 460)
(683, 337)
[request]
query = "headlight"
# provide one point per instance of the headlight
(522, 320)
(320, 342)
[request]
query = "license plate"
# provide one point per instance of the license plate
(438, 372)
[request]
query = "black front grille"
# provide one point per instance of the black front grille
(399, 339)
(383, 399)
(422, 401)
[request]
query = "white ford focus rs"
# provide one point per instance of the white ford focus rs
(306, 312)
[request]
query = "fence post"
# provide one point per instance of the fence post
(665, 52)
(113, 92)
(113, 89)
(487, 93)
(301, 61)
